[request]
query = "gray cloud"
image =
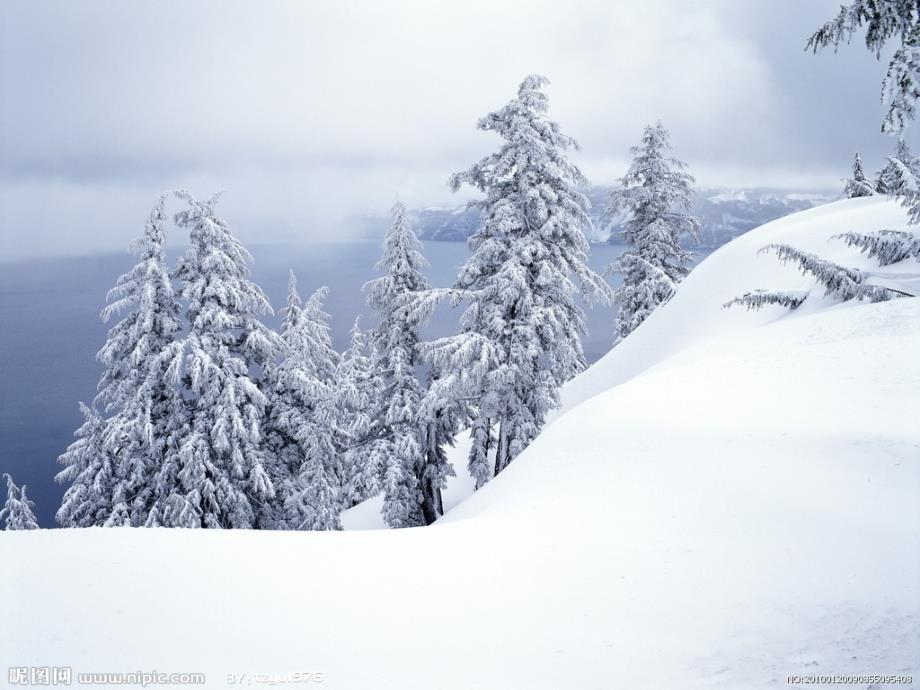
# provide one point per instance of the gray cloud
(309, 113)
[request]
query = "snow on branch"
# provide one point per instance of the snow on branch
(883, 20)
(886, 246)
(841, 283)
(758, 299)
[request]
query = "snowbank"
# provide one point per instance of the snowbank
(731, 498)
(695, 313)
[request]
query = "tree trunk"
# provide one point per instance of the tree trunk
(501, 452)
(432, 504)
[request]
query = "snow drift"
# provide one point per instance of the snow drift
(728, 498)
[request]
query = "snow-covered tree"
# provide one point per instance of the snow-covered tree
(411, 489)
(840, 283)
(858, 185)
(899, 173)
(137, 388)
(522, 330)
(220, 475)
(302, 423)
(120, 448)
(657, 193)
(17, 511)
(883, 20)
(90, 471)
(357, 392)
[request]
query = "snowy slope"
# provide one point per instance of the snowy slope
(721, 509)
(695, 315)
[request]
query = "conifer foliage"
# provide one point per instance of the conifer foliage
(886, 246)
(411, 488)
(126, 434)
(657, 193)
(840, 283)
(17, 511)
(883, 20)
(302, 436)
(858, 185)
(357, 395)
(220, 476)
(520, 337)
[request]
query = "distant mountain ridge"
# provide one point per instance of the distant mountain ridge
(725, 214)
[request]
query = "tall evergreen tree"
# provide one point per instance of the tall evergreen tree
(119, 450)
(302, 423)
(357, 393)
(657, 192)
(17, 511)
(858, 185)
(884, 20)
(220, 475)
(281, 385)
(520, 337)
(411, 489)
(137, 387)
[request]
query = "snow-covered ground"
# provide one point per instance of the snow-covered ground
(728, 498)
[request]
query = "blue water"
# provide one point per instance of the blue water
(50, 332)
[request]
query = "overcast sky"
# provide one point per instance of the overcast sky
(311, 113)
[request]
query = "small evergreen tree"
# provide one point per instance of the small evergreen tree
(411, 490)
(884, 20)
(17, 511)
(858, 185)
(91, 472)
(220, 475)
(895, 178)
(657, 193)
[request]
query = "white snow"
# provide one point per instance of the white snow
(728, 498)
(728, 196)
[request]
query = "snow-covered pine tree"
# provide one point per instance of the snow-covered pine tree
(221, 475)
(858, 185)
(17, 511)
(90, 469)
(898, 171)
(884, 20)
(284, 412)
(522, 331)
(302, 423)
(137, 387)
(839, 282)
(657, 193)
(411, 490)
(357, 394)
